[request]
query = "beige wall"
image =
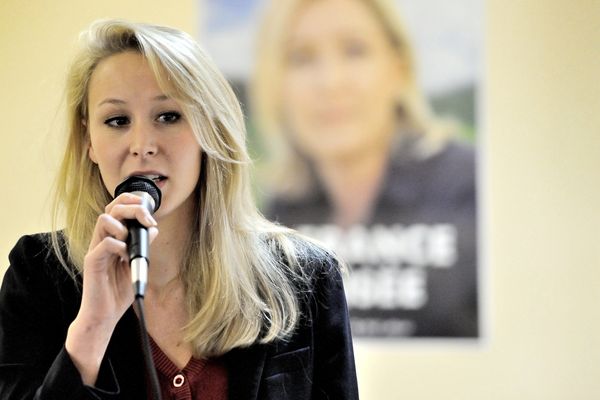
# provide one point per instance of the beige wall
(541, 195)
(37, 39)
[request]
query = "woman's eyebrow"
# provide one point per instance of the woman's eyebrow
(110, 100)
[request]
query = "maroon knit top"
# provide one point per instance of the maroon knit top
(199, 379)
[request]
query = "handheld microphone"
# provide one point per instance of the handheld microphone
(138, 242)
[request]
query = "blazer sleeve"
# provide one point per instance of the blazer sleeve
(37, 304)
(335, 372)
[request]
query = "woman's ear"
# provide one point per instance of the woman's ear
(91, 154)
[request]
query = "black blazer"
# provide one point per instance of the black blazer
(38, 301)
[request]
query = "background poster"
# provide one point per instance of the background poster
(414, 268)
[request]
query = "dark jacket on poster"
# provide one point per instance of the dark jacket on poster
(39, 300)
(419, 189)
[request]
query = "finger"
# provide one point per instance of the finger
(123, 198)
(105, 253)
(107, 225)
(115, 247)
(133, 211)
(152, 233)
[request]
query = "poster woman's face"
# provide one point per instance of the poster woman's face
(341, 80)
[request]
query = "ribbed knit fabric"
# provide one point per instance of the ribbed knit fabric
(199, 379)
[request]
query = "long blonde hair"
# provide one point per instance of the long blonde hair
(241, 272)
(287, 171)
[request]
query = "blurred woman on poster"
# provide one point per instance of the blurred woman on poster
(358, 160)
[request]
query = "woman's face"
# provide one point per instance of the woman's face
(135, 129)
(341, 80)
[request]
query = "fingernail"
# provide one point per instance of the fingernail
(151, 220)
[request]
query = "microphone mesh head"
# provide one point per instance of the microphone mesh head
(140, 184)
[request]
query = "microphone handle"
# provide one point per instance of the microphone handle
(137, 242)
(138, 246)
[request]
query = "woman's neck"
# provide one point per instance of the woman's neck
(352, 185)
(168, 249)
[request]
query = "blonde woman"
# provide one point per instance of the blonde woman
(359, 160)
(236, 307)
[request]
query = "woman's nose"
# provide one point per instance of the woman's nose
(143, 141)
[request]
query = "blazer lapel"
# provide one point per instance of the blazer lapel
(245, 368)
(127, 357)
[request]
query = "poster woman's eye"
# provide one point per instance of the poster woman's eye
(170, 117)
(301, 57)
(117, 122)
(355, 48)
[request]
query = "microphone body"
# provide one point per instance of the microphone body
(138, 242)
(138, 245)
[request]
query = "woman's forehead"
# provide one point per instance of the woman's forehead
(121, 77)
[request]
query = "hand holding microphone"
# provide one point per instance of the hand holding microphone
(120, 237)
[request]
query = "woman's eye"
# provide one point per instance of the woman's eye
(117, 122)
(169, 117)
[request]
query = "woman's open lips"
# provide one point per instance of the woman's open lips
(158, 179)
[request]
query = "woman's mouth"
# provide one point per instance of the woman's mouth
(158, 179)
(155, 178)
